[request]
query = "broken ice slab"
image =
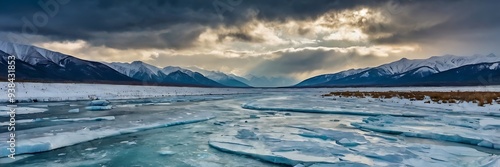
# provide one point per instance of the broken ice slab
(442, 128)
(4, 110)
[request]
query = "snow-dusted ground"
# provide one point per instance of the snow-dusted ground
(294, 127)
(26, 91)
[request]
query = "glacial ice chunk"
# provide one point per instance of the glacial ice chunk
(99, 103)
(5, 111)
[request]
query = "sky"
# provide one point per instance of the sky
(288, 38)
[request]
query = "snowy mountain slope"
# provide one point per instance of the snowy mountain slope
(437, 63)
(220, 77)
(139, 70)
(474, 74)
(37, 64)
(168, 75)
(170, 69)
(403, 71)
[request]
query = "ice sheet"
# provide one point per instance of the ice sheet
(53, 137)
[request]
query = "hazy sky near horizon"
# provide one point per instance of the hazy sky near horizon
(295, 38)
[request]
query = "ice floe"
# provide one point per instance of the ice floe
(5, 111)
(74, 110)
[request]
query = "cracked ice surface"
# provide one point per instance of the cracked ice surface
(326, 106)
(384, 135)
(373, 152)
(482, 132)
(53, 137)
(291, 127)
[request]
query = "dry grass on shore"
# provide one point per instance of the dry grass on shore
(481, 98)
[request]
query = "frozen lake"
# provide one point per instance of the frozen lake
(262, 127)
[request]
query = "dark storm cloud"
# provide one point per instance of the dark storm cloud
(426, 21)
(102, 22)
(97, 21)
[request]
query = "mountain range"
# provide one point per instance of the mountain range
(150, 74)
(220, 77)
(42, 65)
(434, 71)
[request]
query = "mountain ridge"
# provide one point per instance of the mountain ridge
(403, 71)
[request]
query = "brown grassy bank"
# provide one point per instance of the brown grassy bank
(481, 98)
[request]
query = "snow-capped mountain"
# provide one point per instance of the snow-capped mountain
(435, 64)
(37, 64)
(171, 69)
(220, 77)
(138, 70)
(401, 72)
(168, 75)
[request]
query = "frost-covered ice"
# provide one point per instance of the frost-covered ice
(460, 130)
(71, 91)
(325, 106)
(373, 152)
(53, 137)
(260, 125)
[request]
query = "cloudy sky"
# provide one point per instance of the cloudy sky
(294, 38)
